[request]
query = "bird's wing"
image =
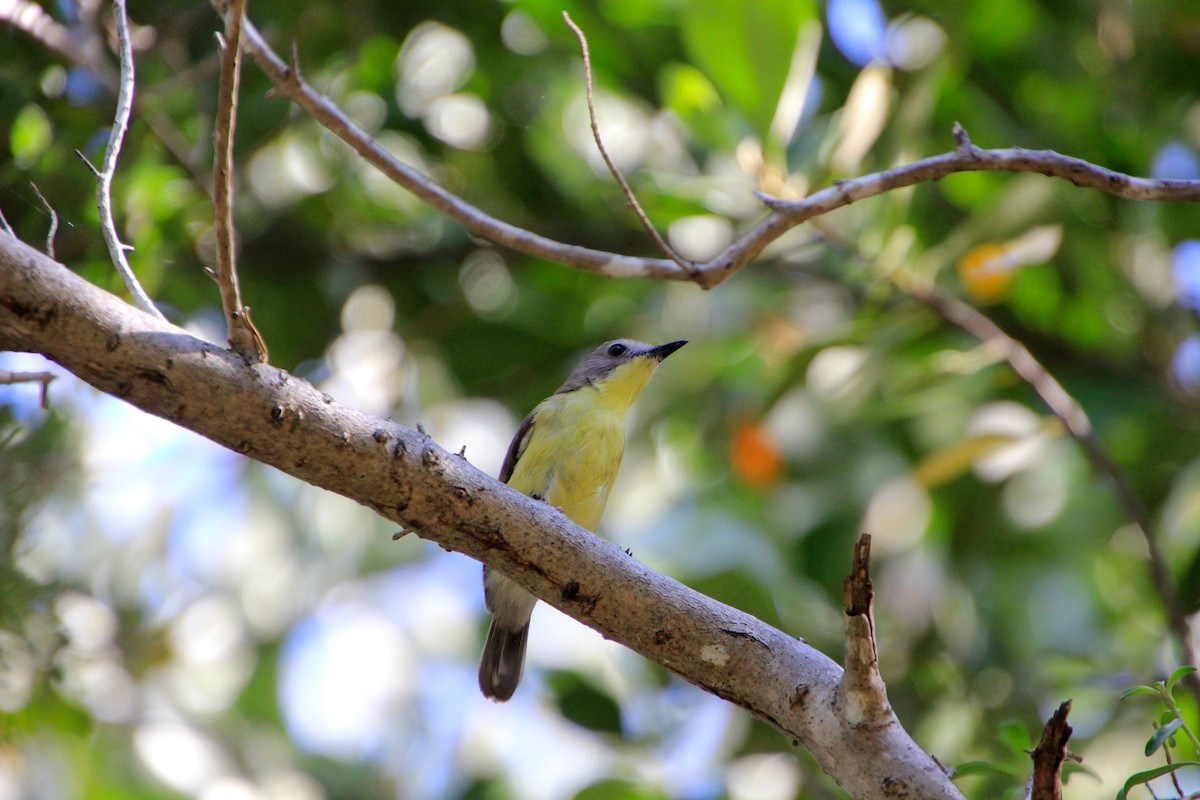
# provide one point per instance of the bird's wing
(517, 448)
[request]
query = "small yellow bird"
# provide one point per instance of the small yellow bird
(566, 452)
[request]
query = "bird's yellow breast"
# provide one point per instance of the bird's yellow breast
(576, 444)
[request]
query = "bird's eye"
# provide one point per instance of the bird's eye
(617, 349)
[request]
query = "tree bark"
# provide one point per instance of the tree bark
(270, 416)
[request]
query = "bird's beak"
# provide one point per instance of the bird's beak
(663, 350)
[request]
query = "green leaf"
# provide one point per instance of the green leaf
(746, 50)
(1074, 767)
(1161, 735)
(614, 789)
(1138, 690)
(583, 703)
(1015, 736)
(980, 768)
(1177, 674)
(1148, 775)
(30, 135)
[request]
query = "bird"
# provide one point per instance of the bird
(567, 453)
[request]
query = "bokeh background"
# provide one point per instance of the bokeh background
(176, 621)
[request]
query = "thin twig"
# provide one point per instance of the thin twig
(50, 233)
(44, 378)
(1076, 422)
(243, 337)
(783, 216)
(612, 166)
(116, 249)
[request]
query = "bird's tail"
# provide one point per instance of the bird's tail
(502, 661)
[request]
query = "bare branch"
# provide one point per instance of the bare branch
(243, 337)
(288, 83)
(784, 214)
(1048, 757)
(612, 167)
(1076, 422)
(116, 249)
(7, 377)
(50, 233)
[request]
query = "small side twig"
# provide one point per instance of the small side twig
(612, 166)
(50, 233)
(863, 693)
(8, 377)
(104, 175)
(1048, 757)
(244, 339)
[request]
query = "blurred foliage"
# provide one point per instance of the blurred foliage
(175, 622)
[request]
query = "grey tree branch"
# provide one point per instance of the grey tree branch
(782, 217)
(104, 176)
(272, 417)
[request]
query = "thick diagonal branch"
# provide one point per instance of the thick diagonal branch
(279, 420)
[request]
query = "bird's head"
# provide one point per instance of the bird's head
(619, 368)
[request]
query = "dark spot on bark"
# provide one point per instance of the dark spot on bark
(380, 435)
(152, 375)
(327, 397)
(800, 697)
(300, 462)
(243, 447)
(178, 413)
(278, 413)
(662, 636)
(113, 343)
(170, 363)
(570, 592)
(895, 787)
(39, 313)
